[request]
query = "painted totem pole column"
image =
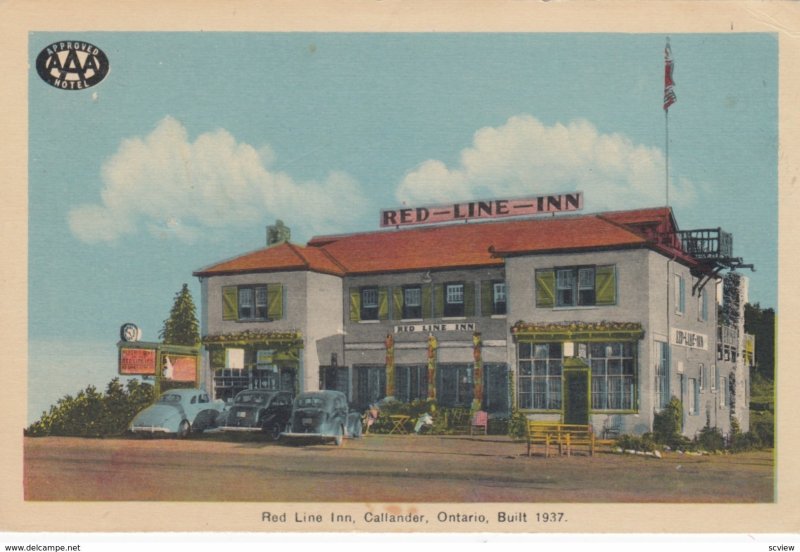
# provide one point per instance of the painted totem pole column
(389, 342)
(478, 370)
(433, 345)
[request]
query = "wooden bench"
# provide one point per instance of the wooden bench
(565, 436)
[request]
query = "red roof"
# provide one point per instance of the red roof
(286, 256)
(477, 244)
(655, 215)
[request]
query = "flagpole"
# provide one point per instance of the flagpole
(666, 149)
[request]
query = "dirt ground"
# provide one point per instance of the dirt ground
(387, 468)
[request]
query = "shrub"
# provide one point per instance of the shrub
(645, 443)
(667, 423)
(710, 439)
(762, 425)
(517, 425)
(93, 414)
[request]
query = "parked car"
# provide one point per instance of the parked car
(258, 410)
(179, 412)
(322, 415)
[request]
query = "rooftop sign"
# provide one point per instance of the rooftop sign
(496, 208)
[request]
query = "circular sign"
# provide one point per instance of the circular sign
(129, 332)
(72, 65)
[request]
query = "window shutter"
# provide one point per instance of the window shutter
(355, 304)
(383, 303)
(469, 299)
(397, 303)
(545, 288)
(426, 302)
(605, 285)
(275, 301)
(230, 303)
(438, 298)
(487, 298)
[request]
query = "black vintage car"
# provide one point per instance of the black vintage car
(322, 415)
(258, 410)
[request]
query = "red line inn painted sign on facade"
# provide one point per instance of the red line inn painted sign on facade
(496, 208)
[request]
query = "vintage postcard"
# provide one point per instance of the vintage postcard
(399, 267)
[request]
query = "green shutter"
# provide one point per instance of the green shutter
(383, 303)
(397, 303)
(230, 303)
(469, 299)
(487, 299)
(438, 300)
(545, 288)
(275, 301)
(355, 304)
(426, 301)
(605, 285)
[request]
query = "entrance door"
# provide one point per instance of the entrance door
(576, 391)
(495, 388)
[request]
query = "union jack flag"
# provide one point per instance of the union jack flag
(669, 84)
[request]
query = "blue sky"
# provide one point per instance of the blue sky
(195, 142)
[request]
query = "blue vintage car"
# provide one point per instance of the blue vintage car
(257, 410)
(322, 415)
(178, 412)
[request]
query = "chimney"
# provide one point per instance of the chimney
(278, 233)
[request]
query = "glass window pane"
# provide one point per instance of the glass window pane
(525, 350)
(586, 278)
(525, 368)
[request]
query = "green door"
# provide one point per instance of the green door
(576, 392)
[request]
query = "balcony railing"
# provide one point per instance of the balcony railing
(707, 243)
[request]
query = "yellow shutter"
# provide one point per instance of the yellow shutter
(469, 299)
(545, 288)
(383, 303)
(275, 301)
(230, 303)
(397, 304)
(605, 285)
(355, 304)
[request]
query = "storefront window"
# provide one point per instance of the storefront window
(369, 385)
(411, 382)
(455, 385)
(539, 376)
(613, 375)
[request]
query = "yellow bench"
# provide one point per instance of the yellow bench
(565, 436)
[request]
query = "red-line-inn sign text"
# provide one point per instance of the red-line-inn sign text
(496, 208)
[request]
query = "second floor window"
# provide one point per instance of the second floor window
(369, 303)
(252, 302)
(576, 286)
(454, 300)
(412, 302)
(499, 298)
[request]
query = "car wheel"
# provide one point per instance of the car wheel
(357, 430)
(184, 429)
(339, 437)
(272, 430)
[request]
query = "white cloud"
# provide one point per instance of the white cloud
(526, 157)
(176, 188)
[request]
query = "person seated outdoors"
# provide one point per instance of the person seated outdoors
(370, 417)
(425, 420)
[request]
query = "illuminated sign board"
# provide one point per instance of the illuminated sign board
(496, 208)
(137, 362)
(180, 367)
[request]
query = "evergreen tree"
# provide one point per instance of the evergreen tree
(761, 323)
(182, 327)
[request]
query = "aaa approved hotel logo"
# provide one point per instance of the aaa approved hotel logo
(72, 65)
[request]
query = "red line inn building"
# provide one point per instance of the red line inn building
(592, 318)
